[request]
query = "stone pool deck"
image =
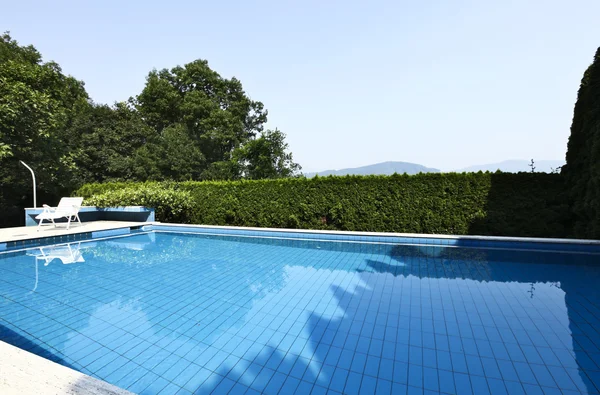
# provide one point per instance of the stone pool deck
(31, 232)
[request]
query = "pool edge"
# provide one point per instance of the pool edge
(476, 241)
(494, 242)
(384, 234)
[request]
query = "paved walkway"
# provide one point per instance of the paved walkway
(31, 232)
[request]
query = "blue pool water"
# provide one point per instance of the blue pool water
(179, 313)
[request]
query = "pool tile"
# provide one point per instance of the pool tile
(368, 385)
(353, 383)
(479, 385)
(372, 366)
(292, 385)
(170, 388)
(338, 380)
(415, 376)
(358, 363)
(462, 383)
(384, 387)
(145, 381)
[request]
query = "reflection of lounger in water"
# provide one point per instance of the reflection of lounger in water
(66, 253)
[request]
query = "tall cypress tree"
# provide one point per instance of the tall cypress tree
(582, 171)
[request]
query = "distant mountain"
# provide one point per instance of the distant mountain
(515, 166)
(384, 168)
(387, 168)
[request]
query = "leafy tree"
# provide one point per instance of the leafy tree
(214, 111)
(188, 123)
(180, 158)
(37, 102)
(101, 141)
(582, 170)
(222, 170)
(266, 157)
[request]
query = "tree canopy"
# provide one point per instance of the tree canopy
(37, 103)
(188, 123)
(266, 157)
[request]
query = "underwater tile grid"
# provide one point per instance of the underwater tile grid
(167, 312)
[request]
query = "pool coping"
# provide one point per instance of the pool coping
(418, 240)
(108, 229)
(123, 224)
(386, 234)
(50, 235)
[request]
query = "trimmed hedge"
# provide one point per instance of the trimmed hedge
(524, 204)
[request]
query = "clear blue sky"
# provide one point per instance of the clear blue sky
(441, 83)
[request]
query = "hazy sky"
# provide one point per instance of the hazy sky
(445, 84)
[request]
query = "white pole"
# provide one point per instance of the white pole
(33, 176)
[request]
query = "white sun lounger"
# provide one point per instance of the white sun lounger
(67, 208)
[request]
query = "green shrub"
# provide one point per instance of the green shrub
(89, 190)
(170, 205)
(524, 204)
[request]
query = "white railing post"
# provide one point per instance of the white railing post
(32, 176)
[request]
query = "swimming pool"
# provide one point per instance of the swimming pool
(168, 312)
